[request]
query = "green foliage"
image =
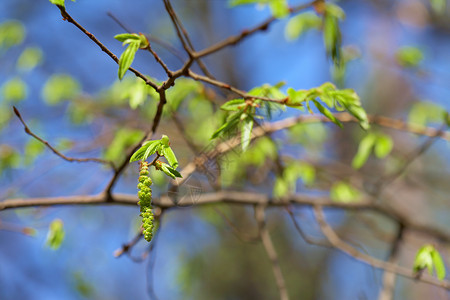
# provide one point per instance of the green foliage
(60, 87)
(56, 234)
(409, 57)
(279, 8)
(30, 58)
(300, 24)
(12, 33)
(425, 112)
(382, 145)
(344, 192)
(123, 139)
(14, 90)
(286, 184)
(428, 257)
(334, 98)
(331, 32)
(134, 42)
(32, 149)
(9, 158)
(59, 2)
(438, 6)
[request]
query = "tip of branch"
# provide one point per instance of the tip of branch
(16, 111)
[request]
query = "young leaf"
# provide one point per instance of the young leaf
(30, 58)
(231, 123)
(55, 234)
(324, 111)
(409, 57)
(343, 192)
(438, 264)
(127, 57)
(233, 105)
(383, 145)
(279, 8)
(246, 132)
(165, 140)
(57, 2)
(126, 36)
(141, 153)
(364, 150)
(424, 259)
(167, 152)
(300, 24)
(169, 171)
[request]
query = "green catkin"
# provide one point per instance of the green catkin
(145, 201)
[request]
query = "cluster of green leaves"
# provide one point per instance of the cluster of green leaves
(428, 257)
(287, 182)
(339, 99)
(161, 148)
(379, 143)
(134, 42)
(409, 57)
(279, 8)
(56, 234)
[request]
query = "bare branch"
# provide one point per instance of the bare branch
(337, 243)
(271, 252)
(47, 144)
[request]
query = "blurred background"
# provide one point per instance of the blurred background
(68, 92)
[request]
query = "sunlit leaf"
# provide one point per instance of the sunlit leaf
(300, 24)
(246, 132)
(409, 57)
(344, 192)
(424, 259)
(123, 139)
(57, 2)
(60, 87)
(123, 37)
(279, 8)
(12, 33)
(14, 90)
(55, 234)
(280, 188)
(229, 125)
(30, 58)
(383, 145)
(233, 105)
(127, 57)
(324, 111)
(364, 150)
(438, 264)
(168, 153)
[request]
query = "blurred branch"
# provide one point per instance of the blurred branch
(270, 250)
(47, 144)
(233, 40)
(389, 278)
(339, 244)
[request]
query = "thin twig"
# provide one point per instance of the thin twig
(337, 243)
(54, 150)
(271, 251)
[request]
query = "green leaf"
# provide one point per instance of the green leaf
(364, 150)
(424, 259)
(423, 112)
(438, 6)
(438, 264)
(246, 132)
(147, 149)
(55, 234)
(324, 111)
(300, 24)
(230, 124)
(168, 153)
(165, 140)
(344, 192)
(169, 171)
(57, 2)
(409, 57)
(30, 58)
(233, 105)
(279, 8)
(383, 145)
(14, 90)
(127, 57)
(297, 98)
(280, 188)
(12, 33)
(332, 38)
(123, 37)
(123, 139)
(335, 11)
(60, 87)
(32, 149)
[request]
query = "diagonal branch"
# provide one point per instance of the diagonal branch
(271, 251)
(339, 244)
(54, 150)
